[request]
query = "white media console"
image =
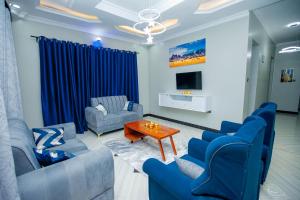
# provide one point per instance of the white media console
(199, 103)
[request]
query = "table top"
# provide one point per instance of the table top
(159, 132)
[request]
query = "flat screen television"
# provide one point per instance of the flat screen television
(189, 81)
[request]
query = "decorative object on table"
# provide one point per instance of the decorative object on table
(48, 157)
(188, 54)
(137, 130)
(185, 92)
(152, 125)
(287, 75)
(48, 137)
(101, 108)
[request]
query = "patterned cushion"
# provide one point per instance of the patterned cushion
(189, 168)
(128, 106)
(101, 108)
(48, 137)
(49, 157)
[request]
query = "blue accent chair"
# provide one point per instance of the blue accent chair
(231, 168)
(267, 111)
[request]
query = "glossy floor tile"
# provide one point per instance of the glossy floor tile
(284, 176)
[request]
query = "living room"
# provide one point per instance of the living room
(150, 99)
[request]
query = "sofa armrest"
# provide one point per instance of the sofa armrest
(69, 130)
(168, 178)
(138, 108)
(228, 127)
(93, 116)
(86, 177)
(210, 135)
(197, 148)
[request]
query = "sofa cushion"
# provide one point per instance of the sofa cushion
(22, 143)
(128, 116)
(48, 137)
(72, 146)
(48, 157)
(113, 104)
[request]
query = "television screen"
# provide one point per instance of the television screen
(189, 81)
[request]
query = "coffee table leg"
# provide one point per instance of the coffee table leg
(161, 150)
(173, 145)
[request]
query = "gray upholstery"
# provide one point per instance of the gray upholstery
(116, 117)
(8, 182)
(89, 175)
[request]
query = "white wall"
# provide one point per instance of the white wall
(265, 46)
(223, 74)
(286, 95)
(27, 52)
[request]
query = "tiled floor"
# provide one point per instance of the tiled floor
(282, 183)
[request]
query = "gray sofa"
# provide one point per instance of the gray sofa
(89, 175)
(116, 117)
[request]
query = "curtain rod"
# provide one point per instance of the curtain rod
(37, 37)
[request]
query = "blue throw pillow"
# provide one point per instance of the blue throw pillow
(49, 157)
(48, 137)
(128, 106)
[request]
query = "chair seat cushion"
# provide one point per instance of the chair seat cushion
(189, 168)
(72, 146)
(128, 116)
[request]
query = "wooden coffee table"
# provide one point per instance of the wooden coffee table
(137, 130)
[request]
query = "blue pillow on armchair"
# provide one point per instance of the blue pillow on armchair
(49, 157)
(48, 137)
(128, 106)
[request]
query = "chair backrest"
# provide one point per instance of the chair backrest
(22, 144)
(233, 164)
(113, 104)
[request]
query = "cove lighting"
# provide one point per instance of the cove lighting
(62, 9)
(14, 5)
(291, 49)
(293, 24)
(210, 6)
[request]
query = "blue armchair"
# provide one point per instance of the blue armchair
(267, 111)
(231, 169)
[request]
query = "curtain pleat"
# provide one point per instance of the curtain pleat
(72, 73)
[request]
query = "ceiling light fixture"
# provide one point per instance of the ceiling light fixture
(290, 49)
(210, 6)
(293, 24)
(62, 9)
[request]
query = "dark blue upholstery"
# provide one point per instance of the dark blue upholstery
(267, 111)
(231, 163)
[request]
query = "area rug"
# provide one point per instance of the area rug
(138, 152)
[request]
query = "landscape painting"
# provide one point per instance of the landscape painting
(188, 54)
(287, 75)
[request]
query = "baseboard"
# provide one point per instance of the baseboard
(180, 122)
(287, 112)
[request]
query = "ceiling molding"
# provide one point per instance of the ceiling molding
(207, 25)
(43, 20)
(120, 11)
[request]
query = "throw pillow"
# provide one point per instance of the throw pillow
(101, 108)
(48, 137)
(128, 106)
(189, 168)
(49, 157)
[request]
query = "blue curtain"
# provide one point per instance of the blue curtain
(72, 73)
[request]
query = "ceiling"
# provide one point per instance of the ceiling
(111, 13)
(275, 17)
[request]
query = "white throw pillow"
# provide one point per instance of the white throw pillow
(126, 105)
(101, 108)
(189, 168)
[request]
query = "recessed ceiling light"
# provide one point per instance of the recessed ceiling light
(291, 49)
(293, 24)
(210, 6)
